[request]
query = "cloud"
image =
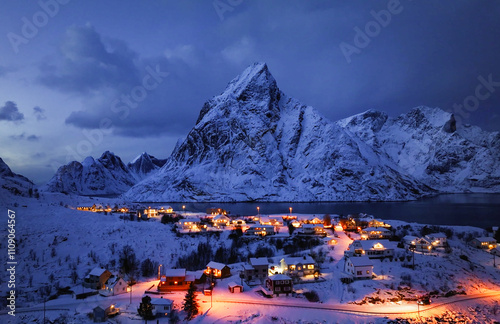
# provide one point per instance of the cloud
(39, 113)
(31, 138)
(10, 112)
(89, 64)
(240, 52)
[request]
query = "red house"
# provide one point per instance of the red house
(279, 284)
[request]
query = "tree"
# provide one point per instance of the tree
(291, 228)
(145, 309)
(190, 305)
(148, 268)
(127, 261)
(327, 220)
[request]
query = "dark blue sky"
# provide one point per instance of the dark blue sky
(78, 78)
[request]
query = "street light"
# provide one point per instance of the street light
(290, 208)
(159, 272)
(184, 209)
(258, 210)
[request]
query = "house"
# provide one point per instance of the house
(166, 210)
(175, 279)
(161, 306)
(217, 270)
(216, 211)
(298, 266)
(198, 276)
(279, 284)
(189, 224)
(311, 229)
(330, 241)
(377, 223)
(422, 245)
(375, 233)
(96, 278)
(150, 212)
(315, 220)
(484, 242)
(295, 223)
(437, 239)
(409, 240)
(371, 249)
(234, 287)
(220, 220)
(360, 267)
(114, 286)
(238, 222)
(258, 268)
(261, 230)
(100, 314)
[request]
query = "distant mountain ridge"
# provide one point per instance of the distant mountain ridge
(107, 175)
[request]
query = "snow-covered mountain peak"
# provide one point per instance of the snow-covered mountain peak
(88, 161)
(422, 117)
(5, 171)
(255, 77)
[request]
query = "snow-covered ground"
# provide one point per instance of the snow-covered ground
(55, 239)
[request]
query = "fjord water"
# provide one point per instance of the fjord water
(474, 209)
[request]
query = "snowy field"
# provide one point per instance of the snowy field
(55, 240)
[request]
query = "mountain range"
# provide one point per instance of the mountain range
(254, 143)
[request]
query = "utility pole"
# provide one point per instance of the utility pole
(44, 310)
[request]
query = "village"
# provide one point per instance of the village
(342, 262)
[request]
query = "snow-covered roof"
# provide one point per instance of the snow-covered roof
(215, 265)
(485, 239)
(161, 301)
(112, 281)
(409, 238)
(373, 244)
(279, 277)
(196, 274)
(97, 272)
(247, 267)
(175, 272)
(219, 217)
(362, 261)
(296, 260)
(373, 229)
(259, 261)
(233, 284)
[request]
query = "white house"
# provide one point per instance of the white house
(484, 242)
(377, 223)
(360, 267)
(189, 224)
(371, 249)
(262, 230)
(114, 286)
(375, 233)
(161, 306)
(437, 239)
(220, 220)
(311, 229)
(300, 266)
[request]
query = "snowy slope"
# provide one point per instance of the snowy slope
(253, 142)
(12, 184)
(107, 175)
(427, 144)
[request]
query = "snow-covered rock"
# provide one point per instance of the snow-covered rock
(253, 143)
(107, 175)
(143, 165)
(427, 144)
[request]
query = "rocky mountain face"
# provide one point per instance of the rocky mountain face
(107, 175)
(253, 143)
(143, 165)
(427, 144)
(12, 183)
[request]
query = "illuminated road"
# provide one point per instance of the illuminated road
(408, 309)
